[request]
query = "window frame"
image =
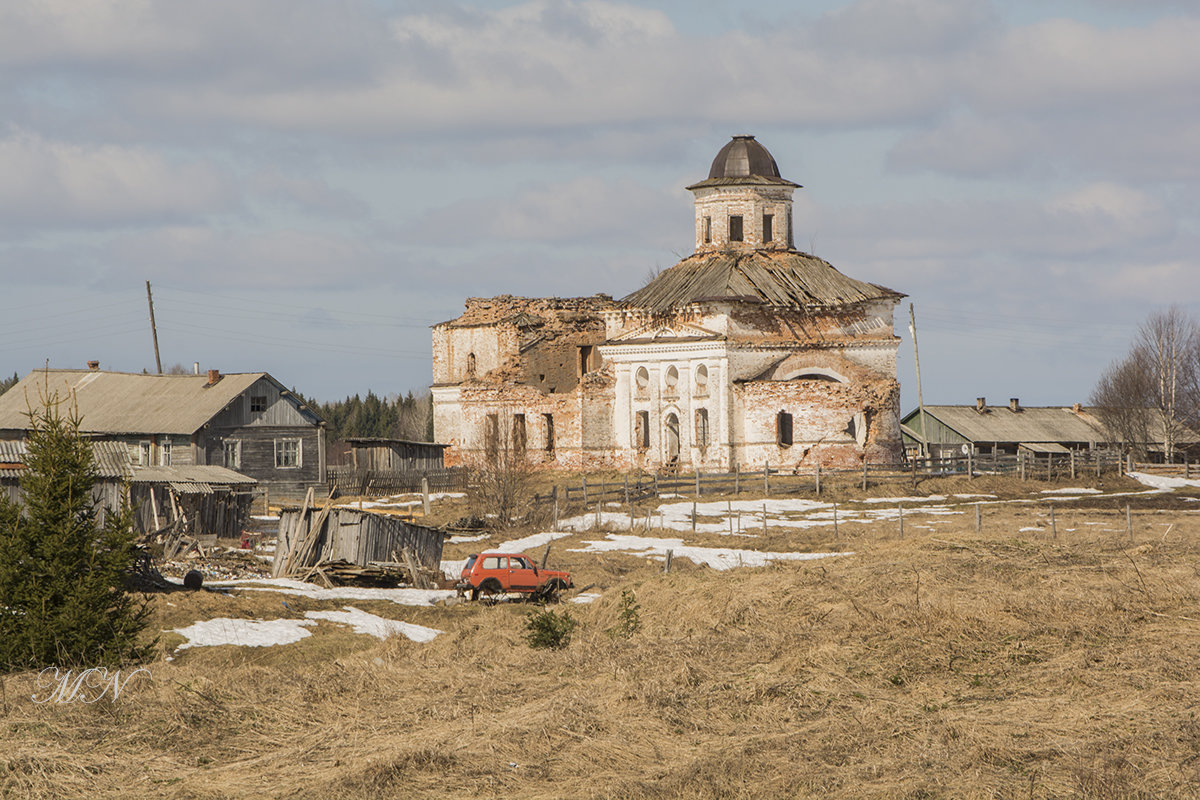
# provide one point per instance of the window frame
(768, 221)
(237, 453)
(258, 404)
(164, 453)
(280, 451)
(784, 429)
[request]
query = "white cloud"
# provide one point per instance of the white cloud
(53, 184)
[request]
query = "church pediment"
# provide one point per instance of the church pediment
(661, 332)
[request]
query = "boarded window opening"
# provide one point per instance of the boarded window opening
(708, 230)
(641, 430)
(671, 381)
(701, 380)
(549, 420)
(702, 428)
(518, 435)
(641, 380)
(735, 229)
(768, 225)
(783, 429)
(470, 363)
(491, 435)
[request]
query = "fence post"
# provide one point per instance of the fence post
(626, 490)
(901, 509)
(970, 462)
(1187, 468)
(737, 479)
(767, 479)
(818, 474)
(1053, 526)
(1097, 452)
(835, 524)
(864, 474)
(697, 482)
(693, 516)
(585, 498)
(979, 517)
(764, 517)
(667, 562)
(425, 495)
(1128, 522)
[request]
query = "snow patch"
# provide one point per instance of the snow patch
(372, 625)
(586, 597)
(719, 558)
(244, 632)
(403, 597)
(1163, 482)
(1070, 490)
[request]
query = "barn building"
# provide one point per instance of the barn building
(748, 352)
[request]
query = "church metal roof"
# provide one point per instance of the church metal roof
(779, 278)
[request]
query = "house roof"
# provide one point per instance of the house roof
(1029, 425)
(385, 441)
(125, 402)
(781, 278)
(113, 461)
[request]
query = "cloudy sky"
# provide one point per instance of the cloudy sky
(309, 184)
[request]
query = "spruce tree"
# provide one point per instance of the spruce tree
(64, 562)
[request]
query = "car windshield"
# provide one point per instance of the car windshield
(470, 562)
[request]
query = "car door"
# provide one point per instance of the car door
(521, 574)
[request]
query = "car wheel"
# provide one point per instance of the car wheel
(490, 591)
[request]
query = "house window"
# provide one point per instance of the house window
(735, 229)
(491, 435)
(258, 403)
(671, 381)
(708, 230)
(549, 419)
(701, 381)
(164, 453)
(233, 454)
(641, 430)
(518, 435)
(783, 429)
(287, 453)
(144, 454)
(768, 224)
(702, 428)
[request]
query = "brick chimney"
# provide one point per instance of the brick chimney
(1014, 404)
(981, 404)
(94, 365)
(214, 375)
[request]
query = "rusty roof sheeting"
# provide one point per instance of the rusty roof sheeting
(783, 278)
(1027, 426)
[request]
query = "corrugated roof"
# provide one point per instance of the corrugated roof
(1002, 424)
(123, 402)
(781, 278)
(112, 458)
(210, 475)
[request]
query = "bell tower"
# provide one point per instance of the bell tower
(744, 204)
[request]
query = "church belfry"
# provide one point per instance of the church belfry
(744, 204)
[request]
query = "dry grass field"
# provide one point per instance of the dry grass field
(1005, 663)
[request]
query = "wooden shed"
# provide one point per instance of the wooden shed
(357, 537)
(399, 455)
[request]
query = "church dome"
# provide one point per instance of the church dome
(743, 157)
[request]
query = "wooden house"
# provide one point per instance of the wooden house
(246, 422)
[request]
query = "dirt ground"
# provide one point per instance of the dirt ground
(1029, 659)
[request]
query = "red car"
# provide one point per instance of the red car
(492, 574)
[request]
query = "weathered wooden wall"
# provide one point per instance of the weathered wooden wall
(362, 537)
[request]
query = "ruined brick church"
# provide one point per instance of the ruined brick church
(748, 352)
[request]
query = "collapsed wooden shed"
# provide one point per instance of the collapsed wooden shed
(308, 538)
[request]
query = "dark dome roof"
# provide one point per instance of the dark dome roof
(743, 157)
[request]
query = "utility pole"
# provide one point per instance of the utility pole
(912, 329)
(154, 331)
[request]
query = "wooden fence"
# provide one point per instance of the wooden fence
(350, 481)
(636, 487)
